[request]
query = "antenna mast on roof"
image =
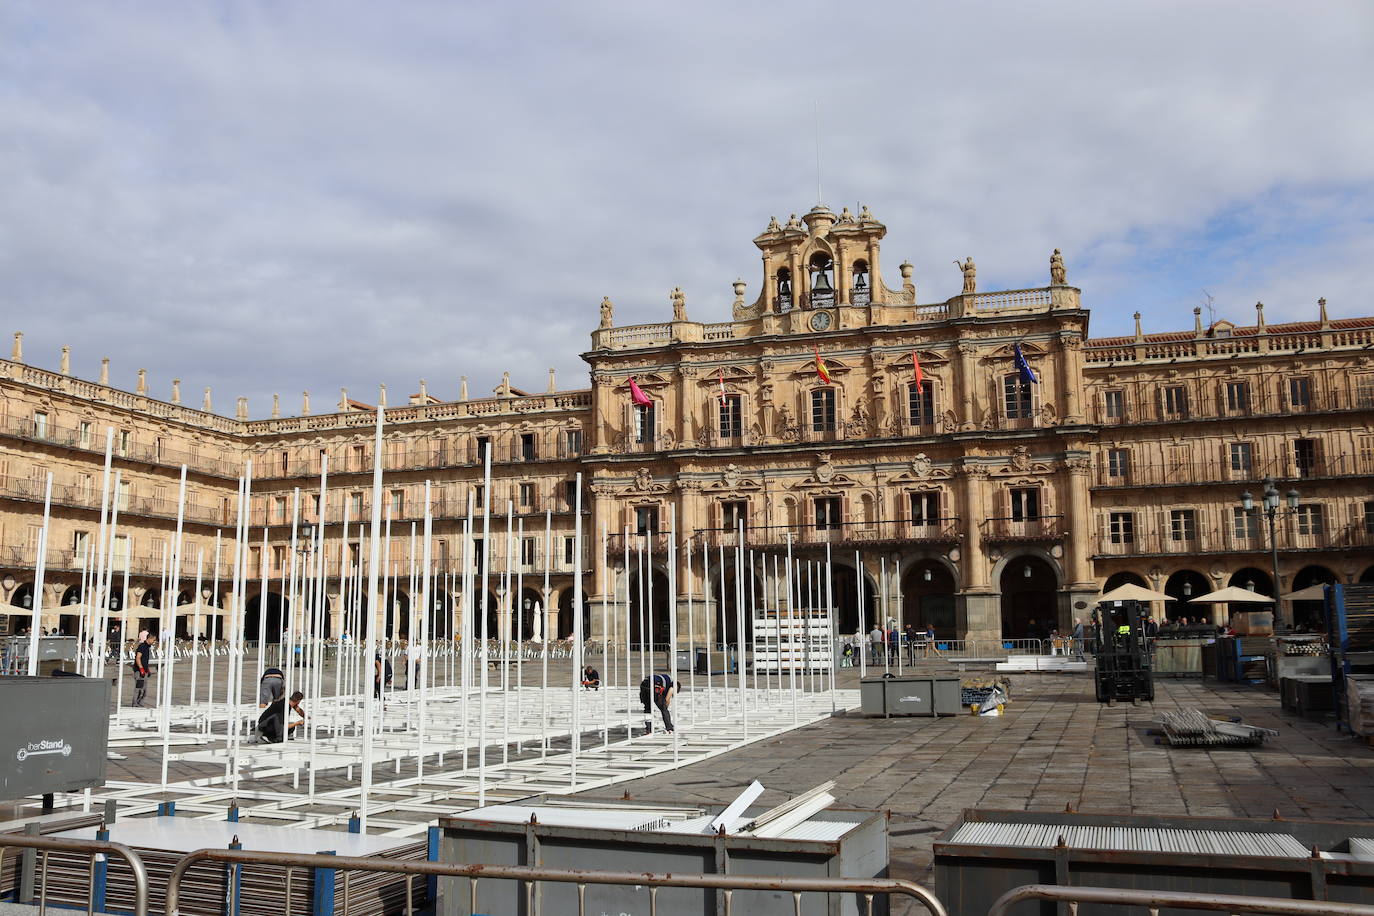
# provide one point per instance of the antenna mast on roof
(819, 198)
(1211, 311)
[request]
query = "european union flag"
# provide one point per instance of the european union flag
(1023, 367)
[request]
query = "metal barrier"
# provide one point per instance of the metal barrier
(529, 876)
(96, 849)
(1153, 900)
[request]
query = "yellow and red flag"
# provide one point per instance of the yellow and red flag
(820, 366)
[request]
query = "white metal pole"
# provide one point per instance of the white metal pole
(373, 568)
(577, 629)
(482, 697)
(35, 618)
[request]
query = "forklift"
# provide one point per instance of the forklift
(1123, 670)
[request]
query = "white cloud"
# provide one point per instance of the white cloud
(340, 194)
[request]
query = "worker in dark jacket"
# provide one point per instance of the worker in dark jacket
(660, 688)
(272, 725)
(143, 667)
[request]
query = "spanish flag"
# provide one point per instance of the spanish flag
(820, 366)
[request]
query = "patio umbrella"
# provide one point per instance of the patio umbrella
(1311, 593)
(1132, 592)
(1231, 593)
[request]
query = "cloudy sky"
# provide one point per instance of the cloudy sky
(277, 196)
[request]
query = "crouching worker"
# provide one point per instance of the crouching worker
(591, 678)
(272, 726)
(661, 688)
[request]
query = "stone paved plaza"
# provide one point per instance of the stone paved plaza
(1055, 746)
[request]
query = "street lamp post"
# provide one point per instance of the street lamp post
(1270, 508)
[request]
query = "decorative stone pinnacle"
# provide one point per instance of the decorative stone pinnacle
(105, 371)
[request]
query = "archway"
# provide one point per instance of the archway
(440, 612)
(486, 608)
(856, 604)
(268, 626)
(23, 596)
(1124, 577)
(650, 592)
(72, 595)
(1252, 580)
(1029, 598)
(565, 611)
(531, 606)
(928, 589)
(1181, 587)
(1308, 614)
(727, 619)
(151, 598)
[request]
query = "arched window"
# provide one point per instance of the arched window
(860, 293)
(784, 280)
(822, 281)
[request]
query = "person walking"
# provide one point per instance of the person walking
(143, 667)
(661, 688)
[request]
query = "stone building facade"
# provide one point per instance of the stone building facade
(975, 500)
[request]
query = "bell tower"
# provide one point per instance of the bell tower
(823, 261)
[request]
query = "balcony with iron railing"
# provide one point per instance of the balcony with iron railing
(1208, 471)
(1011, 529)
(1147, 406)
(419, 457)
(93, 440)
(946, 531)
(1292, 536)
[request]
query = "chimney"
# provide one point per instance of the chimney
(381, 396)
(1259, 321)
(463, 388)
(1321, 304)
(1138, 334)
(105, 372)
(176, 391)
(305, 403)
(1197, 321)
(17, 354)
(241, 409)
(65, 366)
(424, 392)
(343, 398)
(276, 406)
(553, 386)
(142, 382)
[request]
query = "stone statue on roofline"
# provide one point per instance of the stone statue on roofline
(606, 312)
(1057, 269)
(679, 300)
(970, 275)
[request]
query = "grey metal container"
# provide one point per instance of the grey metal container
(872, 696)
(911, 695)
(54, 732)
(860, 851)
(1097, 852)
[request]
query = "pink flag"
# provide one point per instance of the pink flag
(638, 397)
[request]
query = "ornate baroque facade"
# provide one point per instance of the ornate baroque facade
(975, 501)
